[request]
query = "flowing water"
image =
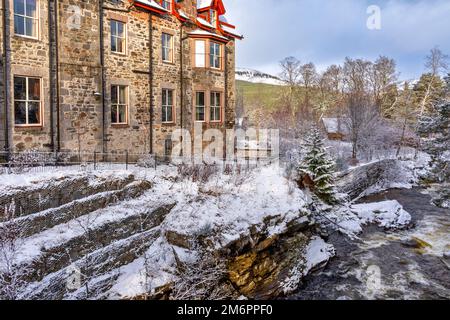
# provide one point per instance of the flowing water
(407, 264)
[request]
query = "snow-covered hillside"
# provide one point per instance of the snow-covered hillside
(255, 76)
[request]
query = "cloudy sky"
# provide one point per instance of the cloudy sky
(326, 31)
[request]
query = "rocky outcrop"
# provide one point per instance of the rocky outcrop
(377, 176)
(47, 219)
(55, 192)
(258, 261)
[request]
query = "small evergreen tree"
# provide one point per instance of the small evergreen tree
(435, 129)
(318, 165)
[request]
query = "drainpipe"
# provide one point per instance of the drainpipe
(150, 78)
(6, 70)
(58, 122)
(181, 76)
(226, 84)
(103, 76)
(51, 39)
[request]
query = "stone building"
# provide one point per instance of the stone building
(113, 75)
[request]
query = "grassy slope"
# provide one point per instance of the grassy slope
(259, 93)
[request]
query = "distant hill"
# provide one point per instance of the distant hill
(259, 94)
(255, 76)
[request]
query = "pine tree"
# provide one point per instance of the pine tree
(318, 165)
(435, 129)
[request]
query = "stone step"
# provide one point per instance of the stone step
(41, 221)
(56, 192)
(77, 244)
(99, 269)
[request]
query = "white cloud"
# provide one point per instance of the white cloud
(325, 31)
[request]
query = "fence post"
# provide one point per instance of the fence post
(95, 160)
(126, 160)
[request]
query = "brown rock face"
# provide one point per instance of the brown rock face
(258, 274)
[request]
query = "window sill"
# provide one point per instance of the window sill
(168, 123)
(26, 37)
(28, 127)
(120, 54)
(120, 125)
(169, 62)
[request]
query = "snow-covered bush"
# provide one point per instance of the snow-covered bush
(24, 161)
(146, 161)
(197, 172)
(200, 279)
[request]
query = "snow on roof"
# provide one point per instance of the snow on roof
(205, 23)
(231, 31)
(201, 4)
(151, 3)
(183, 14)
(334, 125)
(199, 32)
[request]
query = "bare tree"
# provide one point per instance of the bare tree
(361, 121)
(290, 74)
(11, 276)
(357, 75)
(405, 114)
(436, 63)
(308, 79)
(383, 79)
(200, 279)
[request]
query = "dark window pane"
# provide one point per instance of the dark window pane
(122, 114)
(120, 29)
(122, 94)
(113, 44)
(114, 114)
(20, 113)
(20, 88)
(31, 8)
(19, 25)
(164, 97)
(200, 98)
(114, 95)
(34, 89)
(30, 27)
(19, 7)
(113, 28)
(169, 114)
(120, 46)
(169, 97)
(34, 113)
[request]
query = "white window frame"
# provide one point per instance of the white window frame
(213, 54)
(117, 36)
(165, 48)
(25, 17)
(199, 57)
(117, 104)
(27, 101)
(197, 106)
(165, 105)
(215, 107)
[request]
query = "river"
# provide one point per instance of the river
(406, 264)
